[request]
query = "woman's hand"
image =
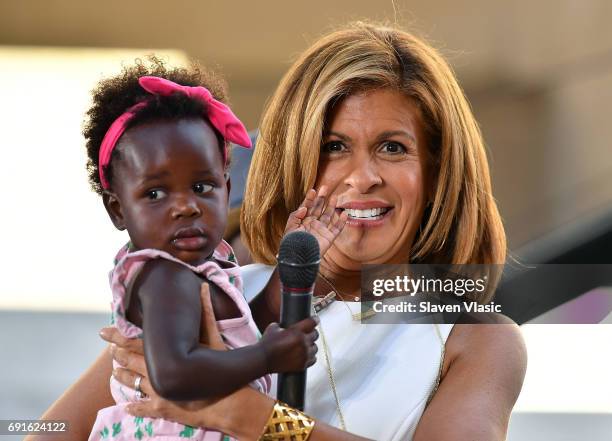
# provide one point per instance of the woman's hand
(129, 353)
(225, 414)
(215, 413)
(317, 218)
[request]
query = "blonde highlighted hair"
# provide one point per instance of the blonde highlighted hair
(462, 224)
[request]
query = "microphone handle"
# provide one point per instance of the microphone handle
(295, 306)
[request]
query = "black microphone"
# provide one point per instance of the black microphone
(298, 265)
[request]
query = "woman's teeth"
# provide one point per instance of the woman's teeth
(368, 213)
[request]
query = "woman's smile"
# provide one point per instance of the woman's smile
(366, 214)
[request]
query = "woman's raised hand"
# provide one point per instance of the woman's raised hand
(321, 220)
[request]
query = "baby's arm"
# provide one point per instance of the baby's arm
(316, 216)
(179, 367)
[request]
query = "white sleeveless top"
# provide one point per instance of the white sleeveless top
(384, 374)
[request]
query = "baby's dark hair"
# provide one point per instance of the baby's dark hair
(113, 96)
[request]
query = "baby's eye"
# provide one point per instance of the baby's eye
(333, 147)
(155, 195)
(203, 188)
(393, 147)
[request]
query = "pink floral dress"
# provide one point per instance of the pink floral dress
(114, 423)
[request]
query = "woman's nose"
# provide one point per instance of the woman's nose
(185, 207)
(363, 175)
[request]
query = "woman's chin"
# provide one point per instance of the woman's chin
(353, 250)
(354, 256)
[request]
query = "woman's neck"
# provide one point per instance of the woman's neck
(346, 283)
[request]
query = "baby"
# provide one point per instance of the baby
(157, 141)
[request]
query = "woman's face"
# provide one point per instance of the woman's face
(373, 158)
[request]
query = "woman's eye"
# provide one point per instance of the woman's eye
(393, 147)
(155, 195)
(333, 147)
(203, 188)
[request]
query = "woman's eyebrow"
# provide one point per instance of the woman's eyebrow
(337, 135)
(382, 135)
(391, 133)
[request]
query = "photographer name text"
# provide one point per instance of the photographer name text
(428, 307)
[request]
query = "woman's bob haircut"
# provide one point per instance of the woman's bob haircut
(461, 224)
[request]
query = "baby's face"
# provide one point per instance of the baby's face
(171, 189)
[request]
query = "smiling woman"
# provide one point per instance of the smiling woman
(374, 118)
(371, 82)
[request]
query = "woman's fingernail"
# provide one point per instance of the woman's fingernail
(104, 333)
(115, 373)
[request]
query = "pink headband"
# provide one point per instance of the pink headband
(219, 115)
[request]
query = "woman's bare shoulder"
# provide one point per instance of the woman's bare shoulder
(500, 341)
(483, 372)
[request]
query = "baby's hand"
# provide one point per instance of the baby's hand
(292, 349)
(320, 220)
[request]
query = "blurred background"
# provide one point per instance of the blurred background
(539, 78)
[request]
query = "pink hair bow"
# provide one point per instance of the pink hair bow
(220, 116)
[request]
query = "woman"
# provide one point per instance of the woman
(376, 116)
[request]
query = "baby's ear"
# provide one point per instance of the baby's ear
(113, 208)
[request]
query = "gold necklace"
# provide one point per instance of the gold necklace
(323, 303)
(359, 316)
(330, 374)
(319, 306)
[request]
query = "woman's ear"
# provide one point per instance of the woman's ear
(113, 208)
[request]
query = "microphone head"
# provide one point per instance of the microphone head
(298, 260)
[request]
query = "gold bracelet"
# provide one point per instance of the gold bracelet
(287, 424)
